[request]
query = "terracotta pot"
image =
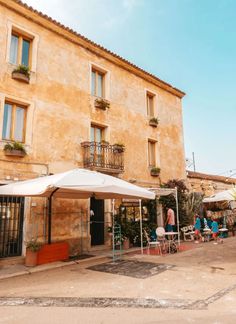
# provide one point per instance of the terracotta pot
(31, 258)
(126, 244)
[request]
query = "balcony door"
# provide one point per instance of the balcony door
(96, 152)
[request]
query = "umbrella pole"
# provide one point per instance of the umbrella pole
(177, 212)
(141, 225)
(50, 216)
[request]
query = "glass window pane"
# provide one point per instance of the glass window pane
(25, 52)
(93, 83)
(100, 85)
(98, 135)
(150, 106)
(14, 49)
(92, 134)
(19, 124)
(6, 130)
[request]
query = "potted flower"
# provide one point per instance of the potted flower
(101, 103)
(21, 73)
(15, 149)
(153, 122)
(155, 171)
(118, 148)
(104, 143)
(32, 249)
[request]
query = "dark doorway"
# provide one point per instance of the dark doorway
(97, 221)
(11, 226)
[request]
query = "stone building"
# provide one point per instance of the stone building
(209, 184)
(78, 102)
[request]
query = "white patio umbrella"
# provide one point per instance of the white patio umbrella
(77, 183)
(227, 195)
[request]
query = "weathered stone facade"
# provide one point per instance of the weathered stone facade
(209, 184)
(60, 111)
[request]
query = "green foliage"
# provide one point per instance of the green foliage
(155, 170)
(102, 103)
(14, 146)
(169, 201)
(33, 245)
(23, 69)
(154, 120)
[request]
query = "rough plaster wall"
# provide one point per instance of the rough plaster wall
(60, 91)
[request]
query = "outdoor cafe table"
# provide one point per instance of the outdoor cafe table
(223, 232)
(172, 238)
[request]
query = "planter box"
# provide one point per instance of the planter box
(102, 104)
(126, 244)
(53, 252)
(154, 174)
(31, 258)
(14, 153)
(118, 148)
(20, 77)
(153, 124)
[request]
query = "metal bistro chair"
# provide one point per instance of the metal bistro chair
(152, 243)
(160, 231)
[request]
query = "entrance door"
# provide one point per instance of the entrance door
(97, 221)
(11, 226)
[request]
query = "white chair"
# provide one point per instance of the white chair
(152, 243)
(160, 232)
(188, 233)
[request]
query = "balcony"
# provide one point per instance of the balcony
(103, 157)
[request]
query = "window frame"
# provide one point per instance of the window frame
(15, 105)
(152, 153)
(21, 37)
(101, 128)
(98, 72)
(150, 96)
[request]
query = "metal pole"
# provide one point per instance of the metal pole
(49, 219)
(177, 214)
(194, 167)
(50, 216)
(141, 225)
(113, 229)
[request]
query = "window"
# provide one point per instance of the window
(97, 134)
(14, 121)
(20, 49)
(98, 83)
(151, 153)
(150, 104)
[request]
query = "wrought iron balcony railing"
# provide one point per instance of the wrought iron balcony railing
(103, 157)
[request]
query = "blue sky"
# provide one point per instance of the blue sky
(188, 43)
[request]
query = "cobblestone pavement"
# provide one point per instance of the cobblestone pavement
(114, 302)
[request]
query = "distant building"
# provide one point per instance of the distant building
(209, 184)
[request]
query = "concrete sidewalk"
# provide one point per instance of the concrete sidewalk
(13, 268)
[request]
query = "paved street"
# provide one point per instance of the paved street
(189, 287)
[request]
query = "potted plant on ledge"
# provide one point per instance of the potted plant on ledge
(101, 103)
(14, 149)
(153, 122)
(155, 171)
(118, 148)
(21, 73)
(32, 249)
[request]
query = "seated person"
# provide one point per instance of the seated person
(153, 235)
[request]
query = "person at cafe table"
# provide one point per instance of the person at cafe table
(170, 220)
